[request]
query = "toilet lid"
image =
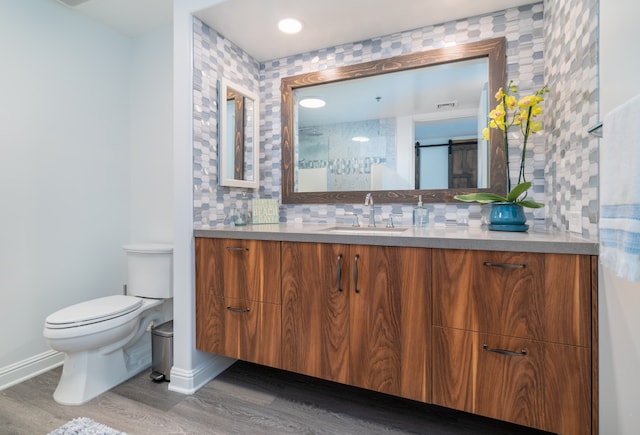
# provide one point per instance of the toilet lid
(93, 311)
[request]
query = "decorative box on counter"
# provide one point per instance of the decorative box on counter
(265, 211)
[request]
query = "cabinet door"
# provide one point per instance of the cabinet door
(315, 280)
(240, 328)
(358, 315)
(389, 320)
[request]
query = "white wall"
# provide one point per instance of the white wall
(619, 299)
(151, 137)
(191, 368)
(618, 64)
(68, 122)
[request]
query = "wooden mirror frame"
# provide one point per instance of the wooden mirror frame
(493, 49)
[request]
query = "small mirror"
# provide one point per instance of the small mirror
(239, 137)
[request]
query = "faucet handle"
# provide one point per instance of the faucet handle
(356, 222)
(368, 199)
(390, 221)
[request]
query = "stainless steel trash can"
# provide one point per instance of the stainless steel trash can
(162, 351)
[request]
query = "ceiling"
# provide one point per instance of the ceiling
(129, 17)
(400, 94)
(251, 24)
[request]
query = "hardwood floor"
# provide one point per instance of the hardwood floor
(246, 399)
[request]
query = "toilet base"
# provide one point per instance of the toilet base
(86, 375)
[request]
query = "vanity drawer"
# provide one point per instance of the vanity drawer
(528, 382)
(242, 329)
(239, 269)
(528, 295)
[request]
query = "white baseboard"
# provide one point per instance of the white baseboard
(182, 381)
(30, 367)
(190, 381)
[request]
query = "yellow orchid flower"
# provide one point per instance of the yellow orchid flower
(485, 133)
(536, 110)
(511, 102)
(507, 113)
(511, 111)
(535, 127)
(527, 101)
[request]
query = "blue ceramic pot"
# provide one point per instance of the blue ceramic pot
(507, 214)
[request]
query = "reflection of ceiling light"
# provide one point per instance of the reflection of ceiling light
(447, 105)
(312, 103)
(289, 25)
(360, 139)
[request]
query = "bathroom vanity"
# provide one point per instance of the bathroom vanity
(497, 324)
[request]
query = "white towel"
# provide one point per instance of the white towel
(620, 190)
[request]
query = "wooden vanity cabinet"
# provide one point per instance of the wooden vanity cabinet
(507, 335)
(358, 315)
(238, 299)
(512, 337)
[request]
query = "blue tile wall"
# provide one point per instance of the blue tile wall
(215, 56)
(571, 71)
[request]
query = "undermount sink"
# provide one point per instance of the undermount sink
(364, 230)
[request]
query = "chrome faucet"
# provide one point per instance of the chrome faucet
(368, 200)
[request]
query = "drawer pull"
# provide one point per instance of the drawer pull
(504, 265)
(339, 277)
(232, 248)
(523, 352)
(355, 272)
(238, 310)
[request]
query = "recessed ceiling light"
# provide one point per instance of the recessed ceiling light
(289, 25)
(360, 139)
(312, 103)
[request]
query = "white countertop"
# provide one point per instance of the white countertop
(545, 241)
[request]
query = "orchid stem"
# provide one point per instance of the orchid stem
(527, 129)
(506, 143)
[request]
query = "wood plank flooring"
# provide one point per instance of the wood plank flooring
(246, 399)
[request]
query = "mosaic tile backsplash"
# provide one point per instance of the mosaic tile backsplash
(214, 56)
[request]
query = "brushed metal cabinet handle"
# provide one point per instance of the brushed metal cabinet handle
(339, 277)
(355, 272)
(232, 248)
(238, 310)
(523, 352)
(504, 265)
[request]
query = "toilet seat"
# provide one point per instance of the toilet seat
(93, 311)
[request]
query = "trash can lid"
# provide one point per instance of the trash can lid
(164, 330)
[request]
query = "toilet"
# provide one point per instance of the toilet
(106, 340)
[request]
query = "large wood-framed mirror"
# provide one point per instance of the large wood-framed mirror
(375, 133)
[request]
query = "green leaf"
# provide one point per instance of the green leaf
(530, 204)
(488, 198)
(482, 198)
(518, 190)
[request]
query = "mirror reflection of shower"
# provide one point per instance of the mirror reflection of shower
(364, 135)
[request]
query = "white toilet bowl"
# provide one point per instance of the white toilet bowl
(105, 340)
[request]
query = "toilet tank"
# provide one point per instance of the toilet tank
(150, 270)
